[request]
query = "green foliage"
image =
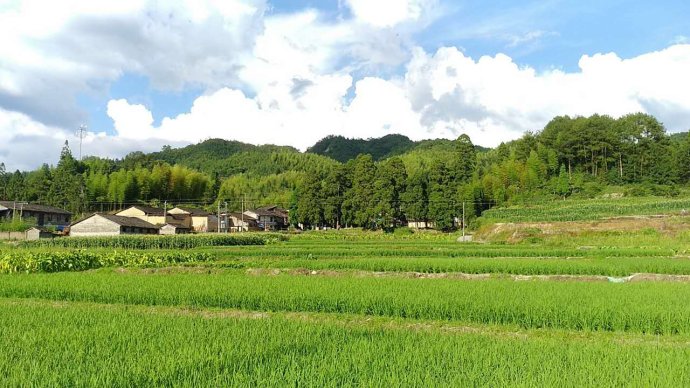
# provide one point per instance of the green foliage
(157, 242)
(26, 261)
(178, 346)
(575, 210)
(343, 149)
(15, 225)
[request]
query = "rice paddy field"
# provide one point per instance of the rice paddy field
(588, 307)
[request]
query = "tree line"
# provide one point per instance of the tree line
(570, 156)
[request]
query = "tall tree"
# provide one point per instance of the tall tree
(415, 199)
(360, 197)
(334, 187)
(441, 197)
(309, 202)
(67, 187)
(465, 161)
(388, 188)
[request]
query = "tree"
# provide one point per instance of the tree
(441, 206)
(465, 161)
(415, 199)
(3, 181)
(562, 183)
(334, 186)
(67, 188)
(309, 202)
(388, 188)
(360, 197)
(683, 160)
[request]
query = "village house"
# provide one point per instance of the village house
(44, 216)
(111, 225)
(152, 215)
(171, 228)
(238, 222)
(420, 224)
(200, 221)
(270, 217)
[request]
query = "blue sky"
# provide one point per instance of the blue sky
(141, 73)
(567, 30)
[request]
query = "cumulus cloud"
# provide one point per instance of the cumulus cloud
(54, 51)
(294, 78)
(443, 94)
(390, 13)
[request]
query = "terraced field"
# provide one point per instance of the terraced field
(327, 309)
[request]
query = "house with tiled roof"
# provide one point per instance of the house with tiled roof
(270, 217)
(44, 216)
(100, 224)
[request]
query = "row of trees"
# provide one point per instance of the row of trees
(570, 156)
(363, 193)
(84, 186)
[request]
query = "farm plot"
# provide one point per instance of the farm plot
(248, 315)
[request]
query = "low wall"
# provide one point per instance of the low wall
(12, 235)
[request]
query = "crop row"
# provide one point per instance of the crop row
(157, 242)
(578, 210)
(122, 346)
(457, 251)
(659, 308)
(515, 266)
(26, 261)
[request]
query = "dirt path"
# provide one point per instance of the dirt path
(641, 277)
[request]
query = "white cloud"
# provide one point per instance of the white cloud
(442, 95)
(390, 13)
(53, 51)
(294, 78)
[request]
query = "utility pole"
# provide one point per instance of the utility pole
(81, 134)
(165, 211)
(218, 231)
(463, 221)
(242, 226)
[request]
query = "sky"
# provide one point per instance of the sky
(143, 74)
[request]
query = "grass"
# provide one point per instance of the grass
(658, 307)
(90, 345)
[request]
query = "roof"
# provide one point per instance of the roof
(31, 207)
(274, 211)
(240, 216)
(194, 211)
(123, 221)
(176, 226)
(148, 210)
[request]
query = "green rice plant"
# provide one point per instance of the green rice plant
(613, 266)
(651, 307)
(69, 344)
(592, 209)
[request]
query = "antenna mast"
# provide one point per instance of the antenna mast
(81, 134)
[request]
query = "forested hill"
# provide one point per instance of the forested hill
(343, 149)
(399, 179)
(218, 157)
